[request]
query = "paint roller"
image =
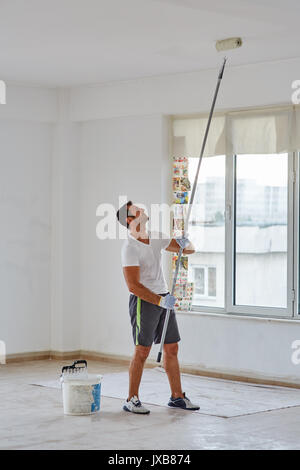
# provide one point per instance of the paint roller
(229, 43)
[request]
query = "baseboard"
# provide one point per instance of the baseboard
(112, 359)
(125, 360)
(64, 355)
(28, 356)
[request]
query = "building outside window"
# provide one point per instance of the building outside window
(207, 231)
(260, 231)
(204, 279)
(261, 217)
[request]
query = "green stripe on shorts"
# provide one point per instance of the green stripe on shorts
(138, 320)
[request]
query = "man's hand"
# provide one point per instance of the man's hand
(132, 278)
(167, 302)
(175, 244)
(183, 242)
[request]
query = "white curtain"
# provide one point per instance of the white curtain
(262, 131)
(193, 131)
(258, 132)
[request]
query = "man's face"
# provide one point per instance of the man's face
(136, 214)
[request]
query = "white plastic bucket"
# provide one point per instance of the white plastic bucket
(81, 395)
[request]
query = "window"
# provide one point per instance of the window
(207, 231)
(204, 279)
(242, 227)
(246, 214)
(260, 230)
(199, 280)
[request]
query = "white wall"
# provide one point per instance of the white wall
(65, 222)
(251, 347)
(25, 184)
(40, 226)
(26, 146)
(121, 156)
(124, 145)
(29, 103)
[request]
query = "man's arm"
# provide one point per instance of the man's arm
(132, 278)
(174, 248)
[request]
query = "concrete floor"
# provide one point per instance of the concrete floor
(32, 418)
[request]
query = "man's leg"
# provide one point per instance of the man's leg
(171, 366)
(136, 369)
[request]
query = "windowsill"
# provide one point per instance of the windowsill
(239, 316)
(206, 297)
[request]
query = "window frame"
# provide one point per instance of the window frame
(205, 268)
(296, 261)
(293, 276)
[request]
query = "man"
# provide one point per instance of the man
(148, 303)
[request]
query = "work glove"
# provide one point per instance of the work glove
(167, 302)
(183, 242)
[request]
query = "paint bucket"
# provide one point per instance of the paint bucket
(81, 395)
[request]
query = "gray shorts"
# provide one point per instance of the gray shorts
(147, 322)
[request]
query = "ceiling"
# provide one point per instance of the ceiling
(73, 42)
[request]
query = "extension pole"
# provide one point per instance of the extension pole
(190, 205)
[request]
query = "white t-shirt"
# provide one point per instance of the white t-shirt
(148, 258)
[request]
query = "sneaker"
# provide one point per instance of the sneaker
(183, 403)
(134, 406)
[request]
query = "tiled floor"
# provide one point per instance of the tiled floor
(32, 418)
